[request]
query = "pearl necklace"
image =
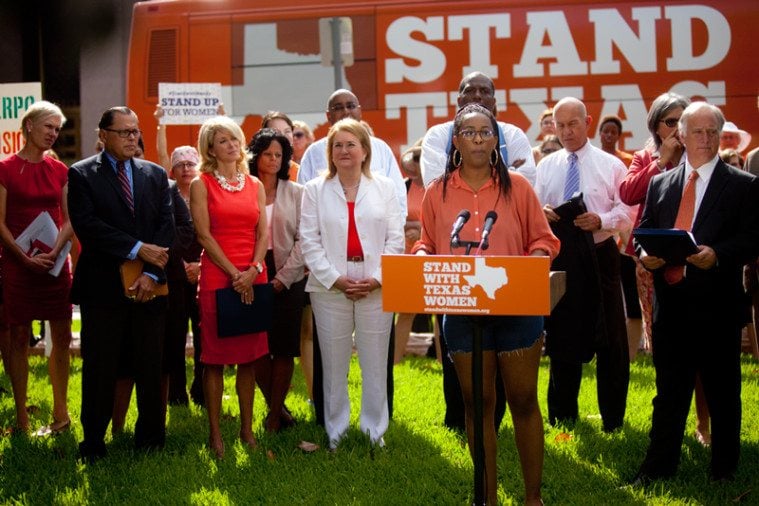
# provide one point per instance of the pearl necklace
(224, 183)
(346, 189)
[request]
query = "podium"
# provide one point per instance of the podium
(476, 286)
(470, 285)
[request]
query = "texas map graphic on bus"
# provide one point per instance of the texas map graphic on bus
(490, 279)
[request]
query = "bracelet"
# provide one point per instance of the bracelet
(258, 266)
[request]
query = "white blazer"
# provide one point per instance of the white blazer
(324, 228)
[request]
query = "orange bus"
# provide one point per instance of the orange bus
(409, 56)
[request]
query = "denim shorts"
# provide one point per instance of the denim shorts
(499, 333)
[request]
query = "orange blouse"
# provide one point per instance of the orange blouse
(520, 229)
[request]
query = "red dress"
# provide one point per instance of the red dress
(31, 189)
(233, 219)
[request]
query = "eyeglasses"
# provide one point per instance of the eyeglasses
(125, 133)
(548, 151)
(299, 135)
(670, 122)
(343, 107)
(485, 134)
(184, 165)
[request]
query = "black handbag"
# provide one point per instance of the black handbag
(233, 318)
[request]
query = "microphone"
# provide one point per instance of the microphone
(490, 219)
(461, 219)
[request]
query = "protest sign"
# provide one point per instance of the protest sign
(15, 99)
(188, 103)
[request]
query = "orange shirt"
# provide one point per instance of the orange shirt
(520, 229)
(626, 157)
(292, 172)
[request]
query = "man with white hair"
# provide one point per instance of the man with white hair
(700, 308)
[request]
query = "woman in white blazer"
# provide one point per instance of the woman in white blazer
(271, 152)
(350, 217)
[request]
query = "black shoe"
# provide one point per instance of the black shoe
(640, 480)
(179, 401)
(721, 478)
(90, 453)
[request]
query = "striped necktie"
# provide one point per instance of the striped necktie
(124, 182)
(572, 183)
(684, 221)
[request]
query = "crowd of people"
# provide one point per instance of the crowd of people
(295, 229)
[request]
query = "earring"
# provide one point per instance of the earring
(456, 158)
(494, 155)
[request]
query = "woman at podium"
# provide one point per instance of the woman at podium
(476, 179)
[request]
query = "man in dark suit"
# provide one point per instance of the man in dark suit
(699, 309)
(120, 208)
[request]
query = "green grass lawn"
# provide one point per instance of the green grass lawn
(423, 462)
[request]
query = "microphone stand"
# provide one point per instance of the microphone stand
(479, 449)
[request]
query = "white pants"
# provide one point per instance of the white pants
(336, 319)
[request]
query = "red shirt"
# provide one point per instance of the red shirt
(354, 243)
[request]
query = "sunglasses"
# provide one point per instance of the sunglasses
(299, 135)
(670, 122)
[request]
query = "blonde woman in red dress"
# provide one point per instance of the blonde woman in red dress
(32, 182)
(227, 207)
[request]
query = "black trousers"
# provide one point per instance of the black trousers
(131, 333)
(318, 380)
(612, 356)
(680, 351)
(193, 313)
(175, 343)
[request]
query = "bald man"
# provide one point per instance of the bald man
(589, 320)
(344, 104)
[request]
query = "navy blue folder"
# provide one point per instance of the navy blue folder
(671, 244)
(233, 318)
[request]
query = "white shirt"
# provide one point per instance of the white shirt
(314, 163)
(600, 177)
(704, 175)
(438, 138)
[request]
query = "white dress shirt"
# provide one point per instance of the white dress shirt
(438, 138)
(704, 175)
(600, 177)
(314, 163)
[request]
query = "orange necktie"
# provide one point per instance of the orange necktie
(683, 221)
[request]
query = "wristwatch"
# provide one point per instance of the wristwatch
(258, 266)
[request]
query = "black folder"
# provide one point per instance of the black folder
(572, 208)
(671, 244)
(233, 318)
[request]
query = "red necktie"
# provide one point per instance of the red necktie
(125, 186)
(683, 221)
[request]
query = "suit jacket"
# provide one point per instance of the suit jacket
(185, 235)
(285, 233)
(727, 221)
(108, 230)
(324, 228)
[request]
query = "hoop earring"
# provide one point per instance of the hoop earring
(494, 155)
(456, 158)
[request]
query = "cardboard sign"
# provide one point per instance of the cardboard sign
(188, 103)
(15, 99)
(474, 285)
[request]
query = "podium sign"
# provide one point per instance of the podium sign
(473, 285)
